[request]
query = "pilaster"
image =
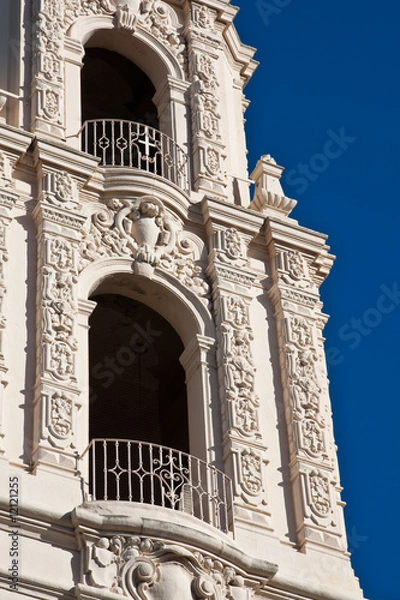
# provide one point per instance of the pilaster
(56, 404)
(208, 145)
(244, 447)
(299, 262)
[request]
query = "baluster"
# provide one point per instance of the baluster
(152, 497)
(94, 469)
(105, 468)
(192, 500)
(129, 472)
(199, 480)
(117, 475)
(95, 138)
(141, 491)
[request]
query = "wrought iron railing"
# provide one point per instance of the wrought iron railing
(125, 470)
(121, 143)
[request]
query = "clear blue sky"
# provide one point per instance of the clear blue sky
(331, 68)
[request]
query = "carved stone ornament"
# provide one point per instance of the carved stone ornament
(251, 468)
(5, 171)
(320, 494)
(143, 569)
(60, 189)
(59, 309)
(143, 230)
(61, 408)
(296, 269)
(161, 21)
(203, 17)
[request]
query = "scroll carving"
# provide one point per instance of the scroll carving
(59, 310)
(141, 569)
(141, 229)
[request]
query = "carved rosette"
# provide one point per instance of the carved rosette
(8, 199)
(142, 568)
(314, 478)
(142, 230)
(237, 372)
(56, 401)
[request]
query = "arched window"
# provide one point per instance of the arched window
(113, 87)
(137, 384)
(137, 407)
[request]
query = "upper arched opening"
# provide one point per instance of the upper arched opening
(113, 87)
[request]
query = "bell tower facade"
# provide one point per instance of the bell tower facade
(165, 422)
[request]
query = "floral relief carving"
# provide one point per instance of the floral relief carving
(60, 189)
(141, 229)
(59, 309)
(251, 467)
(320, 495)
(207, 115)
(61, 416)
(161, 21)
(203, 17)
(296, 269)
(141, 569)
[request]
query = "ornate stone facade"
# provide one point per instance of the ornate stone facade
(250, 508)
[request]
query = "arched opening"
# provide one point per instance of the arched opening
(138, 423)
(113, 87)
(137, 384)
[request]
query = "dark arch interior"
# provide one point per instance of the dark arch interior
(137, 384)
(115, 88)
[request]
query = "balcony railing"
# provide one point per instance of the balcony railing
(128, 144)
(131, 471)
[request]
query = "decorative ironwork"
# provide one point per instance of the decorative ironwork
(132, 471)
(128, 144)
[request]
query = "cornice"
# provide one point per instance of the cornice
(59, 155)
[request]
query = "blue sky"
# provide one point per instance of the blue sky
(330, 68)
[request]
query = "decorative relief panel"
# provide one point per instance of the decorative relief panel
(312, 458)
(206, 116)
(59, 309)
(242, 436)
(56, 395)
(143, 569)
(141, 229)
(161, 21)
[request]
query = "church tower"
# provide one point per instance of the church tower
(165, 423)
